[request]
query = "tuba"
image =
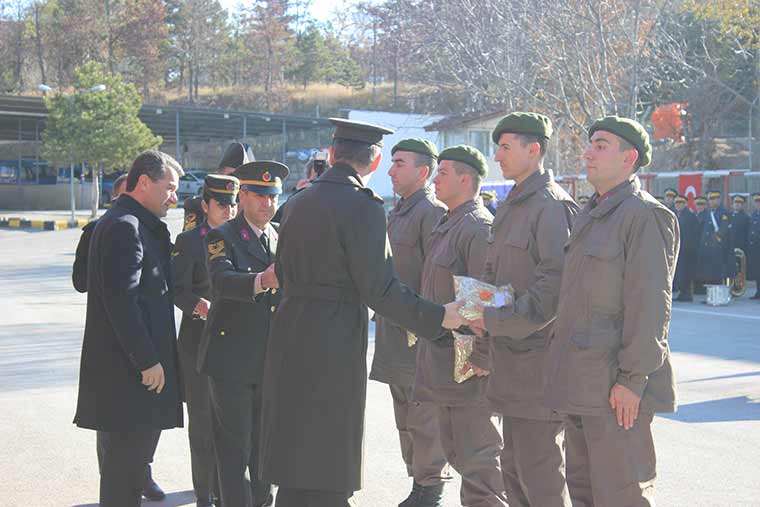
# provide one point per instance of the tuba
(738, 284)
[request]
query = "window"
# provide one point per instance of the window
(481, 139)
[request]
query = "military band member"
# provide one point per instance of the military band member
(701, 212)
(610, 367)
(670, 199)
(193, 297)
(468, 428)
(753, 245)
(716, 261)
(686, 267)
(409, 226)
(526, 250)
(332, 262)
(240, 256)
(738, 229)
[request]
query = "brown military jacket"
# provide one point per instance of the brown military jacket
(409, 226)
(614, 305)
(526, 250)
(457, 247)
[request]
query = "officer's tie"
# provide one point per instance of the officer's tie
(265, 243)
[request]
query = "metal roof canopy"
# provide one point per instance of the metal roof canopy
(24, 117)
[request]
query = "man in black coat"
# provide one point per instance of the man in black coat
(738, 229)
(687, 254)
(239, 257)
(333, 261)
(193, 297)
(151, 490)
(128, 380)
(753, 245)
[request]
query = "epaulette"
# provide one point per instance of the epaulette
(372, 194)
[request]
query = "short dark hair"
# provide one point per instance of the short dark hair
(354, 152)
(421, 160)
(153, 164)
(118, 183)
(526, 139)
(461, 167)
(625, 146)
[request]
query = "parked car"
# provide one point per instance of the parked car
(191, 184)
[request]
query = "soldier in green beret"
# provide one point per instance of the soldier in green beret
(410, 223)
(526, 250)
(609, 367)
(468, 428)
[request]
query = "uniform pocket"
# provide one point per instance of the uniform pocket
(594, 362)
(606, 264)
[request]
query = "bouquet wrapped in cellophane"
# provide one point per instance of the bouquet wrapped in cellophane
(476, 294)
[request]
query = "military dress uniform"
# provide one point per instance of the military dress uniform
(612, 328)
(332, 262)
(526, 249)
(671, 194)
(468, 427)
(753, 245)
(689, 226)
(234, 340)
(738, 229)
(193, 213)
(191, 285)
(716, 261)
(409, 226)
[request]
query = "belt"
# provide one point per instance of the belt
(323, 292)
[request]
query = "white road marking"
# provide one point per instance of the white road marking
(718, 314)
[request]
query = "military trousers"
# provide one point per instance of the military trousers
(472, 444)
(288, 497)
(608, 466)
(417, 424)
(123, 457)
(198, 399)
(236, 426)
(533, 463)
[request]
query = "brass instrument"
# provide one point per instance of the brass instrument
(738, 284)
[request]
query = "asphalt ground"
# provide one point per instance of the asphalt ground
(708, 452)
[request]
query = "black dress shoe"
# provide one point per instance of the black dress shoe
(267, 502)
(204, 503)
(153, 491)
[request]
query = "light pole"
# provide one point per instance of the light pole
(751, 110)
(97, 88)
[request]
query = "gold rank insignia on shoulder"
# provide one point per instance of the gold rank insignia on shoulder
(190, 222)
(215, 249)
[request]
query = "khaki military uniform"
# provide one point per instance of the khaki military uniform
(469, 431)
(409, 226)
(333, 260)
(612, 325)
(526, 250)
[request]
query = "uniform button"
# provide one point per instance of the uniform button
(273, 309)
(274, 291)
(221, 333)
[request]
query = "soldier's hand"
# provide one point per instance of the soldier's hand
(452, 319)
(478, 326)
(625, 403)
(479, 372)
(153, 378)
(201, 309)
(269, 278)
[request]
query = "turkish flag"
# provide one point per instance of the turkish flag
(690, 185)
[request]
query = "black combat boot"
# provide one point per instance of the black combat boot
(430, 496)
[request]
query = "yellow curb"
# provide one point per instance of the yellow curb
(14, 222)
(38, 224)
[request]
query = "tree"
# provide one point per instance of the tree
(99, 128)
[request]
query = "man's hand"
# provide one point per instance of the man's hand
(269, 278)
(303, 183)
(625, 403)
(201, 309)
(478, 326)
(480, 372)
(452, 319)
(153, 378)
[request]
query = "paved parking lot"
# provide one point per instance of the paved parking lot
(708, 452)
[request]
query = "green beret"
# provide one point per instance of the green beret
(416, 145)
(530, 124)
(467, 155)
(628, 129)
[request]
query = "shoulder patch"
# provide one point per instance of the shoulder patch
(215, 249)
(191, 221)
